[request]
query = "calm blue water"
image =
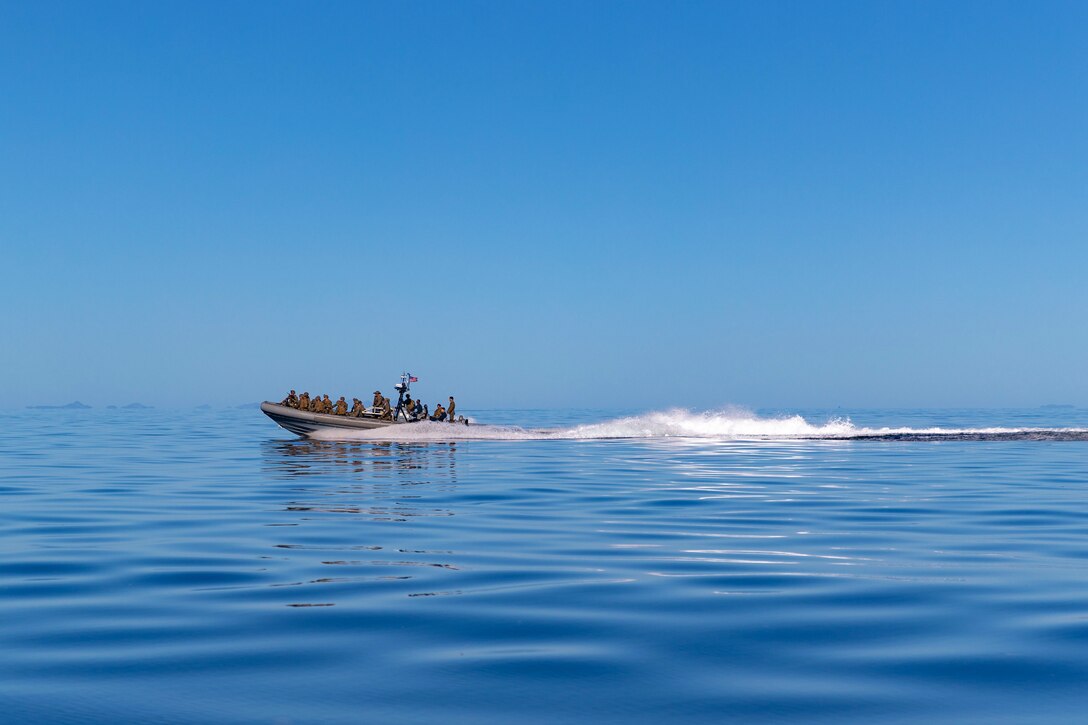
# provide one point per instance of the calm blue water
(206, 566)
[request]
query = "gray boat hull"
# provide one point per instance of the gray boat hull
(304, 423)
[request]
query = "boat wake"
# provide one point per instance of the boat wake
(730, 424)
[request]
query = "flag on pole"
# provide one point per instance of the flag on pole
(413, 379)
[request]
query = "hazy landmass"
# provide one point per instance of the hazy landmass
(1057, 405)
(74, 405)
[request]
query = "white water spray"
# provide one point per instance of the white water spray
(728, 424)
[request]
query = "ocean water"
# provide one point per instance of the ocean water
(550, 567)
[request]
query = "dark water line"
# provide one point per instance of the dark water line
(1027, 435)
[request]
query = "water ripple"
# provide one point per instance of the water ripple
(147, 558)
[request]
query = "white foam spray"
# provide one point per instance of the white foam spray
(730, 423)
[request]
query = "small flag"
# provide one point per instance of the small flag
(413, 379)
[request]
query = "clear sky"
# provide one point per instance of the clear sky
(592, 204)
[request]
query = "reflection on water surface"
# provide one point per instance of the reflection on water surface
(206, 568)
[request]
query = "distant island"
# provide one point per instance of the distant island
(74, 405)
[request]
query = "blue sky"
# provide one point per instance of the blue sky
(551, 204)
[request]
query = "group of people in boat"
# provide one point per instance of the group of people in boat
(380, 407)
